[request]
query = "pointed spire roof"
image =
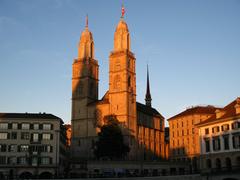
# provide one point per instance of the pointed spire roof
(148, 98)
(86, 44)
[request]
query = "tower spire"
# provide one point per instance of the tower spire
(148, 99)
(86, 21)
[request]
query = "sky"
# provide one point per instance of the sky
(192, 48)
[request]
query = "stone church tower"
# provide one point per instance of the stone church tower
(122, 78)
(122, 82)
(84, 91)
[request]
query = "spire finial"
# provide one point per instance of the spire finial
(123, 10)
(87, 21)
(148, 99)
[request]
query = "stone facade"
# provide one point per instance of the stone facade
(31, 145)
(88, 112)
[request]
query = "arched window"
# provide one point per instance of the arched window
(208, 163)
(218, 164)
(228, 163)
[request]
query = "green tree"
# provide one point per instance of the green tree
(110, 142)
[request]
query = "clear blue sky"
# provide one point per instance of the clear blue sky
(192, 47)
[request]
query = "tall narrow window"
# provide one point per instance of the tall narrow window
(226, 142)
(129, 81)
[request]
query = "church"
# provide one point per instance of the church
(141, 124)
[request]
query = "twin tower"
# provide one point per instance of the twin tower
(88, 111)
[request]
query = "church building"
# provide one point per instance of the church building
(142, 125)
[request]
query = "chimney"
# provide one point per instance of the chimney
(219, 113)
(237, 106)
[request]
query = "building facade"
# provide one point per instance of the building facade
(31, 145)
(220, 140)
(143, 126)
(184, 137)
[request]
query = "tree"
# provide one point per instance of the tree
(110, 142)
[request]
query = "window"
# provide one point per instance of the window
(22, 160)
(47, 148)
(216, 143)
(129, 81)
(14, 135)
(12, 148)
(206, 131)
(12, 160)
(3, 147)
(46, 126)
(182, 132)
(215, 129)
(25, 126)
(225, 127)
(207, 145)
(3, 159)
(24, 148)
(3, 135)
(46, 136)
(35, 126)
(35, 137)
(236, 141)
(192, 130)
(14, 126)
(34, 161)
(25, 135)
(226, 142)
(235, 125)
(45, 160)
(3, 125)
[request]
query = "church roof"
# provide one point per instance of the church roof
(195, 110)
(28, 116)
(148, 110)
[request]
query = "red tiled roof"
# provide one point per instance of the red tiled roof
(228, 111)
(196, 110)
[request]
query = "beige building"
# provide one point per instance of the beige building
(31, 145)
(143, 126)
(220, 140)
(184, 137)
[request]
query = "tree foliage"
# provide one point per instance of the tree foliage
(110, 142)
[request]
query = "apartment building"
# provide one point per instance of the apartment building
(220, 140)
(184, 137)
(31, 145)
